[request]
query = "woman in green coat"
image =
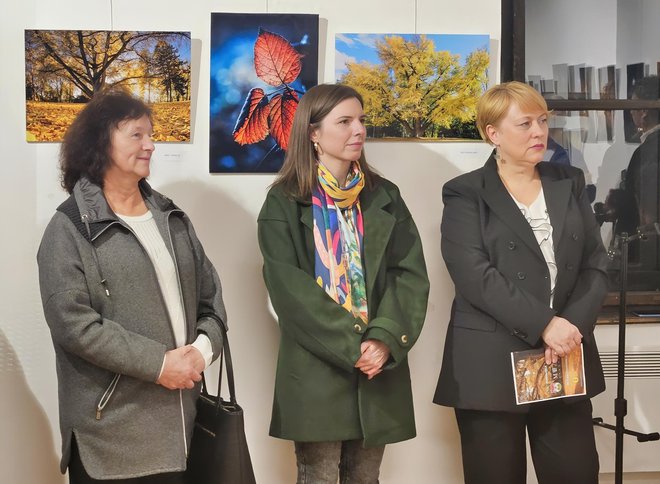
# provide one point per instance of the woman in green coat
(345, 271)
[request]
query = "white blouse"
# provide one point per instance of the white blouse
(538, 219)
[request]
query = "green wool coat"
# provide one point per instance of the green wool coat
(319, 394)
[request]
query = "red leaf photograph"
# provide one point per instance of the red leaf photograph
(252, 124)
(280, 118)
(275, 60)
(261, 65)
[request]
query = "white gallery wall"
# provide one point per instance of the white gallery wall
(224, 210)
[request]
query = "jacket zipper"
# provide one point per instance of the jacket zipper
(106, 395)
(113, 385)
(176, 269)
(155, 274)
(105, 398)
(85, 218)
(185, 321)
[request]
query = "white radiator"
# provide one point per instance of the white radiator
(641, 390)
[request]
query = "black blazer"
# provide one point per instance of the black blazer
(503, 284)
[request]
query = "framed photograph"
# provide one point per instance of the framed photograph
(261, 64)
(65, 68)
(416, 86)
(634, 72)
(608, 84)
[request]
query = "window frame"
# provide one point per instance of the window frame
(512, 68)
(512, 65)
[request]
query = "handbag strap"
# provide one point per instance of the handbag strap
(225, 360)
(229, 369)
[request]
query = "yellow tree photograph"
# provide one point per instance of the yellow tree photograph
(65, 68)
(416, 86)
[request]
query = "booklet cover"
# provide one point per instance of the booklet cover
(535, 381)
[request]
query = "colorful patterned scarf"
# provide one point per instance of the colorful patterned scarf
(338, 233)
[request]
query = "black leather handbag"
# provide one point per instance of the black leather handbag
(219, 452)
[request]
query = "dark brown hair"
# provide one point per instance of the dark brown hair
(648, 88)
(86, 146)
(298, 175)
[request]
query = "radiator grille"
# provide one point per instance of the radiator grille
(639, 364)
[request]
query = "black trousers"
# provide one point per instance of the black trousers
(561, 438)
(78, 475)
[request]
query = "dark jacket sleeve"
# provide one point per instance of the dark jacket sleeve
(305, 311)
(476, 279)
(401, 309)
(74, 324)
(590, 289)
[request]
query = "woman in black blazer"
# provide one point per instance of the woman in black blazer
(524, 251)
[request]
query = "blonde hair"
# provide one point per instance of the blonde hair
(495, 103)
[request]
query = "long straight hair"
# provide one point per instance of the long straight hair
(298, 175)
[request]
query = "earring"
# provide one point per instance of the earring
(317, 148)
(498, 156)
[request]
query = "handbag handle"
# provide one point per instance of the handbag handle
(225, 360)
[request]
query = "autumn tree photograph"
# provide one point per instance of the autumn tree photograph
(261, 65)
(65, 68)
(416, 86)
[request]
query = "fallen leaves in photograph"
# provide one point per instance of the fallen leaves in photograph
(49, 121)
(171, 121)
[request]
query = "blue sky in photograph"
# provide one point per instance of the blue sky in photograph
(183, 46)
(361, 47)
(181, 43)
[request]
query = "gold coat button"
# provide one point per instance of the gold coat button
(357, 328)
(404, 339)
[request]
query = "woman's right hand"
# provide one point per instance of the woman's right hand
(561, 336)
(183, 367)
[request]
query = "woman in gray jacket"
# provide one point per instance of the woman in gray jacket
(133, 304)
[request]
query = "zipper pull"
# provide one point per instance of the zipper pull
(105, 287)
(106, 396)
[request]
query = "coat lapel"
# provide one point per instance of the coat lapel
(557, 194)
(501, 203)
(378, 226)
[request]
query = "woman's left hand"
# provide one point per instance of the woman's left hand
(182, 368)
(550, 356)
(374, 355)
(562, 336)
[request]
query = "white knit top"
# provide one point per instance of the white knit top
(144, 227)
(538, 219)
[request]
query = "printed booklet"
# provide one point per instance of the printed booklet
(535, 381)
